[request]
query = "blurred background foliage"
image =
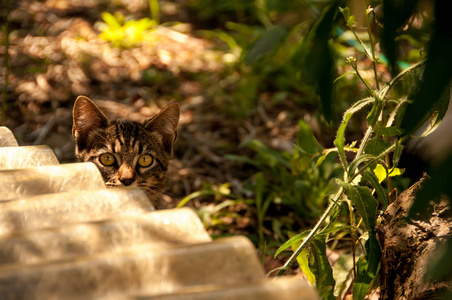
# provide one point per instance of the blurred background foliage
(263, 86)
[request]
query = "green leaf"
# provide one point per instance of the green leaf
(292, 241)
(382, 172)
(344, 75)
(302, 260)
(322, 158)
(321, 268)
(110, 20)
(395, 14)
(268, 42)
(436, 76)
(272, 157)
(350, 19)
(389, 131)
(374, 114)
(300, 161)
(438, 112)
(374, 181)
(364, 202)
(306, 148)
(376, 146)
(345, 12)
(340, 138)
(155, 10)
(316, 61)
(358, 161)
(362, 281)
(397, 153)
(260, 185)
(367, 266)
(306, 140)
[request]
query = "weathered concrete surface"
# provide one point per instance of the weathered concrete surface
(26, 157)
(19, 183)
(64, 235)
(7, 138)
(52, 210)
(160, 229)
(288, 288)
(155, 270)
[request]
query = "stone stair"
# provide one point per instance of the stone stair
(63, 235)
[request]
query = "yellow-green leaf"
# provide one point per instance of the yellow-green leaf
(381, 172)
(302, 260)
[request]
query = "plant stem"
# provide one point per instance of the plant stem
(364, 141)
(372, 45)
(362, 79)
(155, 11)
(313, 232)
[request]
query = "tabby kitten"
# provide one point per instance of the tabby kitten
(127, 153)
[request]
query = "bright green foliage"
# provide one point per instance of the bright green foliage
(123, 33)
(302, 259)
(321, 268)
(382, 173)
(300, 180)
(367, 266)
(298, 62)
(368, 174)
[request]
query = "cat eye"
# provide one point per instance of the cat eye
(107, 159)
(145, 160)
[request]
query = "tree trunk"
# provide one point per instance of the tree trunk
(408, 247)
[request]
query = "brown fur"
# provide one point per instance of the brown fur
(127, 141)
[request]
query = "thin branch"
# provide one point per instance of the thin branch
(372, 45)
(313, 232)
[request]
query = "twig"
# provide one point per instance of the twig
(313, 232)
(45, 130)
(372, 45)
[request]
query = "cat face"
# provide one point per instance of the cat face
(127, 153)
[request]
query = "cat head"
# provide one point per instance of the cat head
(127, 153)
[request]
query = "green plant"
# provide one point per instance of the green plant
(126, 33)
(360, 190)
(266, 58)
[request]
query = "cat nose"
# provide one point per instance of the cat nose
(126, 175)
(127, 181)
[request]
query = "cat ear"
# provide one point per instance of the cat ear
(87, 117)
(165, 123)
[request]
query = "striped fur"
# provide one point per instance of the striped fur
(124, 144)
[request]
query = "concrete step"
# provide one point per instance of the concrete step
(26, 157)
(64, 235)
(52, 210)
(18, 183)
(7, 138)
(288, 288)
(153, 271)
(158, 229)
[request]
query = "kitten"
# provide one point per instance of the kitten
(127, 153)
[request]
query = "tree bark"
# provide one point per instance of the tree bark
(409, 247)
